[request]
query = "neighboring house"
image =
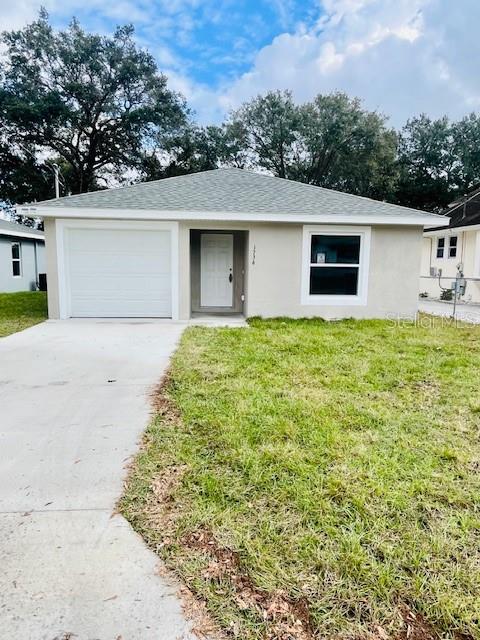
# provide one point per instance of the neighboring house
(22, 257)
(230, 241)
(447, 248)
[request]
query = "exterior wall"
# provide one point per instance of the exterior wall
(32, 264)
(468, 253)
(51, 263)
(274, 270)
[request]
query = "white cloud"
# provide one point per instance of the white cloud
(402, 57)
(14, 15)
(205, 101)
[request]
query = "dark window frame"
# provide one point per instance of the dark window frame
(16, 260)
(452, 247)
(441, 247)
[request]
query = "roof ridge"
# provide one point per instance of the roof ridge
(343, 193)
(150, 182)
(121, 186)
(230, 169)
(245, 190)
(312, 186)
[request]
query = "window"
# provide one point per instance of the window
(335, 265)
(440, 247)
(16, 259)
(452, 247)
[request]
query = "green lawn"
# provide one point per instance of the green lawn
(320, 480)
(21, 310)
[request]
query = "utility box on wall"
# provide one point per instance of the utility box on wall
(42, 281)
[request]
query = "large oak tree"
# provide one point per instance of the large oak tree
(94, 101)
(330, 142)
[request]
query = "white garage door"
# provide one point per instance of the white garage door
(118, 273)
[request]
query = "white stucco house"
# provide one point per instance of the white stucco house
(22, 257)
(230, 241)
(457, 246)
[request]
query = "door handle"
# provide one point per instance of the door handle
(230, 277)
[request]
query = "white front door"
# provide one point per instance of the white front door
(216, 270)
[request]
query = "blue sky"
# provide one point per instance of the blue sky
(213, 41)
(401, 57)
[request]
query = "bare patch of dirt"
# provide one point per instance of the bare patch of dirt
(196, 611)
(160, 403)
(415, 626)
(162, 510)
(287, 619)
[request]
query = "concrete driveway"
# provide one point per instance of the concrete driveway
(464, 312)
(73, 406)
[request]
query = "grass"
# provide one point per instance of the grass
(338, 462)
(21, 310)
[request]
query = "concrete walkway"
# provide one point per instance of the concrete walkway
(72, 408)
(464, 312)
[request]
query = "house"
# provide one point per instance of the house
(22, 257)
(230, 241)
(448, 250)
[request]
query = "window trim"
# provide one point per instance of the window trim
(454, 247)
(440, 248)
(19, 259)
(363, 265)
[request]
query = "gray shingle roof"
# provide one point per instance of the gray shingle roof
(233, 191)
(14, 227)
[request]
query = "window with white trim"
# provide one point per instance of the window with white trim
(16, 259)
(334, 265)
(337, 265)
(440, 247)
(452, 246)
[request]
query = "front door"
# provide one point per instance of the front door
(216, 270)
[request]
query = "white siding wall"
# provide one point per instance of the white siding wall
(9, 283)
(468, 252)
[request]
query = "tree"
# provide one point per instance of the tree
(266, 128)
(428, 163)
(189, 150)
(23, 178)
(466, 141)
(330, 142)
(193, 149)
(345, 147)
(94, 101)
(23, 174)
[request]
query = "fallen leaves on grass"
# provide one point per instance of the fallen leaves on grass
(287, 618)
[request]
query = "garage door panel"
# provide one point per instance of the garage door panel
(135, 288)
(119, 272)
(138, 265)
(118, 239)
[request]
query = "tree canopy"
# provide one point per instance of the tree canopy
(93, 100)
(99, 107)
(329, 142)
